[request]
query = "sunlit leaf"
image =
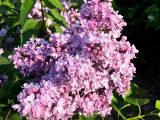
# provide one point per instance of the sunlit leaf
(118, 110)
(15, 117)
(26, 7)
(4, 60)
(30, 28)
(55, 3)
(157, 104)
(56, 17)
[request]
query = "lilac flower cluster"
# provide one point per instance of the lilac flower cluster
(34, 58)
(81, 67)
(36, 11)
(71, 16)
(99, 16)
(49, 102)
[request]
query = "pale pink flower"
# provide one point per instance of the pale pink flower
(1, 51)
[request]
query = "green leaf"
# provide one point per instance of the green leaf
(114, 99)
(132, 101)
(77, 3)
(3, 9)
(82, 117)
(26, 7)
(4, 60)
(7, 8)
(30, 28)
(137, 101)
(48, 4)
(3, 93)
(55, 16)
(157, 104)
(115, 107)
(2, 105)
(1, 118)
(143, 101)
(15, 117)
(15, 24)
(56, 3)
(57, 28)
(92, 117)
(134, 91)
(117, 98)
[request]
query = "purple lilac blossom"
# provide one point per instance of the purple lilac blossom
(3, 32)
(86, 63)
(3, 79)
(45, 101)
(36, 11)
(34, 57)
(66, 4)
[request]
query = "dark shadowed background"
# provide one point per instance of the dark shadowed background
(143, 30)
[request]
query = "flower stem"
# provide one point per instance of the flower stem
(43, 27)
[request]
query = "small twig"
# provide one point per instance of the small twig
(7, 116)
(42, 11)
(139, 109)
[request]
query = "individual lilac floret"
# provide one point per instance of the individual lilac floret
(36, 11)
(3, 32)
(3, 79)
(66, 4)
(34, 57)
